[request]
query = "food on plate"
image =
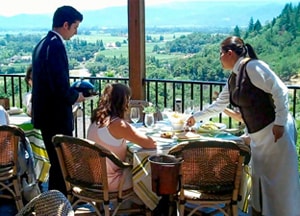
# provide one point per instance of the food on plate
(211, 126)
(177, 115)
(167, 134)
(188, 135)
(177, 120)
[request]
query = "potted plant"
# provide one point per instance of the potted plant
(149, 109)
(4, 100)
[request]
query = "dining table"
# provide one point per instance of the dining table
(41, 160)
(141, 172)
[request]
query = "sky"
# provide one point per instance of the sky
(14, 7)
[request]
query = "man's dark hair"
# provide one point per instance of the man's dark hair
(66, 14)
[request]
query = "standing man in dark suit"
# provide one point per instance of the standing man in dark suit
(52, 97)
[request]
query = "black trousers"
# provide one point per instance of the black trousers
(56, 180)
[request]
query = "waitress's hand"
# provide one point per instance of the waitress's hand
(190, 121)
(278, 131)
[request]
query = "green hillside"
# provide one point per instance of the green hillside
(277, 43)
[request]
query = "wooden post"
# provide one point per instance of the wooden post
(136, 44)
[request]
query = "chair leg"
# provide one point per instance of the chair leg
(234, 210)
(18, 195)
(181, 209)
(106, 210)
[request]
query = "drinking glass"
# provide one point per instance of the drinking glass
(134, 114)
(149, 120)
(188, 111)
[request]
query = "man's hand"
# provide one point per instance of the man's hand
(80, 98)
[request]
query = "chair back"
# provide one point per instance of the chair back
(50, 202)
(10, 136)
(83, 162)
(209, 166)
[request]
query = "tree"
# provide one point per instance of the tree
(257, 26)
(251, 25)
(236, 31)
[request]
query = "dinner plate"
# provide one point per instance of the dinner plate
(221, 127)
(187, 136)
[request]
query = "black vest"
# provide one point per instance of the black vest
(256, 106)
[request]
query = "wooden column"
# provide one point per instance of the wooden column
(136, 44)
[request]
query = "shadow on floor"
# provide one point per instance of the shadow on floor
(8, 207)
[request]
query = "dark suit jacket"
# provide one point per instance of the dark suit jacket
(52, 97)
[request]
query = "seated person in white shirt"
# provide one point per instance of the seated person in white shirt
(27, 96)
(4, 117)
(25, 162)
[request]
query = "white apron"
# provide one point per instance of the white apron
(275, 168)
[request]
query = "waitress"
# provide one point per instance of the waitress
(262, 99)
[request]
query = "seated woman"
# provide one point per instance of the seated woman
(4, 117)
(109, 129)
(27, 96)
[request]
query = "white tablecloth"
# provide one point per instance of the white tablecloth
(141, 172)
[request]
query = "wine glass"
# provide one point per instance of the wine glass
(134, 114)
(188, 111)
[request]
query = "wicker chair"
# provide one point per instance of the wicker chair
(210, 175)
(50, 203)
(10, 182)
(83, 163)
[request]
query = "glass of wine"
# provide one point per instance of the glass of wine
(134, 114)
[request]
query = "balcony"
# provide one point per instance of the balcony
(162, 93)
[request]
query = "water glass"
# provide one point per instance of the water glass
(149, 120)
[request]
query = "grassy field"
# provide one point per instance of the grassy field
(123, 50)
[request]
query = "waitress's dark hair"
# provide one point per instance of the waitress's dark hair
(237, 45)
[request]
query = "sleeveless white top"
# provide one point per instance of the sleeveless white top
(103, 137)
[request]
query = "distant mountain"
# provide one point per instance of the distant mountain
(179, 14)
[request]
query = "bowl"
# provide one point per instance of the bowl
(177, 120)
